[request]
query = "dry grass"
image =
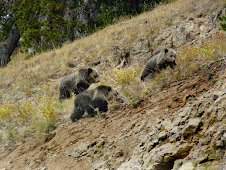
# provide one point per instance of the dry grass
(33, 83)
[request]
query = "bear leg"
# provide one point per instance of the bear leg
(76, 115)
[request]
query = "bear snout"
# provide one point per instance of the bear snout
(142, 78)
(119, 100)
(173, 64)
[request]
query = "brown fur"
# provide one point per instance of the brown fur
(77, 82)
(90, 100)
(158, 62)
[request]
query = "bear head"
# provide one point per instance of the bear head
(109, 93)
(93, 76)
(170, 57)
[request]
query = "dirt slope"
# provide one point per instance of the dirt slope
(109, 141)
(106, 142)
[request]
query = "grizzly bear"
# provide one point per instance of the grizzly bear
(158, 62)
(77, 82)
(90, 100)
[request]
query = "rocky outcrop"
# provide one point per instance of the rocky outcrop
(192, 28)
(192, 138)
(90, 12)
(82, 14)
(141, 52)
(119, 56)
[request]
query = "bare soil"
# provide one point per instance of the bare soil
(117, 129)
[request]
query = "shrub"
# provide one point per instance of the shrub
(4, 111)
(147, 91)
(125, 76)
(210, 75)
(223, 19)
(175, 98)
(48, 112)
(25, 111)
(100, 114)
(11, 134)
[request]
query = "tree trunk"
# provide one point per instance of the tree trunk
(8, 46)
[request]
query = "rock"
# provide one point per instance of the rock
(214, 166)
(77, 152)
(175, 137)
(83, 14)
(207, 95)
(140, 52)
(202, 158)
(159, 156)
(182, 34)
(187, 31)
(200, 168)
(187, 166)
(50, 136)
(119, 56)
(183, 150)
(71, 64)
(163, 35)
(202, 121)
(132, 164)
(101, 144)
(162, 135)
(167, 124)
(92, 144)
(43, 168)
(152, 144)
(191, 126)
(119, 154)
(142, 46)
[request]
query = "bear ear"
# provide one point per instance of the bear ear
(166, 50)
(109, 88)
(90, 71)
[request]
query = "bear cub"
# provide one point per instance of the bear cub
(158, 62)
(90, 100)
(77, 82)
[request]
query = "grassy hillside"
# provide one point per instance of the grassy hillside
(29, 87)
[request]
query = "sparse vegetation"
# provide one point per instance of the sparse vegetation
(175, 98)
(100, 114)
(125, 76)
(147, 91)
(27, 119)
(210, 75)
(223, 19)
(32, 83)
(11, 134)
(47, 110)
(4, 111)
(165, 85)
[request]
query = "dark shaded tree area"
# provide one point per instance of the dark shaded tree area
(47, 24)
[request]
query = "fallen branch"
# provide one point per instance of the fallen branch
(219, 60)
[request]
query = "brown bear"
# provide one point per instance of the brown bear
(77, 82)
(90, 100)
(158, 62)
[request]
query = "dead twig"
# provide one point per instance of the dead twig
(219, 60)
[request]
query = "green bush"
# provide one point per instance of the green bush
(223, 19)
(175, 98)
(4, 110)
